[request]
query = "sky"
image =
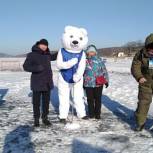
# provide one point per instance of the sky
(109, 22)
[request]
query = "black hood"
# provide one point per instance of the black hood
(35, 48)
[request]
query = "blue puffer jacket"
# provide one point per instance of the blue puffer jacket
(94, 67)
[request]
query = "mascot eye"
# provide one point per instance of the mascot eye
(71, 36)
(81, 38)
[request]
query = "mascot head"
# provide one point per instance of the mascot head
(74, 39)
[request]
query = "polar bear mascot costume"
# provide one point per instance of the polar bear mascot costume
(71, 62)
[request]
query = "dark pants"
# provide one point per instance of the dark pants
(94, 101)
(37, 95)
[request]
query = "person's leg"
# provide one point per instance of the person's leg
(97, 97)
(64, 98)
(45, 104)
(90, 101)
(145, 98)
(77, 95)
(36, 106)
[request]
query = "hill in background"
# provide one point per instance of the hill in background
(3, 55)
(129, 49)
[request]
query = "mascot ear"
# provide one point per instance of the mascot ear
(68, 28)
(84, 31)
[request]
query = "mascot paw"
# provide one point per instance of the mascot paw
(76, 78)
(73, 61)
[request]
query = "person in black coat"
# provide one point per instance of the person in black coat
(38, 62)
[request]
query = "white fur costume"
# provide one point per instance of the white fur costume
(74, 41)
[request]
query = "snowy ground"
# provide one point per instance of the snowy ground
(112, 134)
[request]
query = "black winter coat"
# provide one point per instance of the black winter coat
(38, 62)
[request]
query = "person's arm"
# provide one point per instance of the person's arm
(136, 67)
(30, 66)
(105, 71)
(81, 68)
(53, 56)
(65, 65)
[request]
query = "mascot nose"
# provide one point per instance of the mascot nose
(75, 42)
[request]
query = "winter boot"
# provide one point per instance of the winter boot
(63, 121)
(97, 117)
(85, 118)
(46, 122)
(139, 128)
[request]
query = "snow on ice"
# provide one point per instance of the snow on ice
(112, 134)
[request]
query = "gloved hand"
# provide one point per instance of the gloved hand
(106, 85)
(72, 62)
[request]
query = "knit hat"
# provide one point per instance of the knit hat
(91, 48)
(149, 41)
(43, 42)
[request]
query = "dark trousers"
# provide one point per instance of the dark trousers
(94, 101)
(145, 99)
(37, 95)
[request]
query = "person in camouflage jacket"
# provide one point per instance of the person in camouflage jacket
(142, 70)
